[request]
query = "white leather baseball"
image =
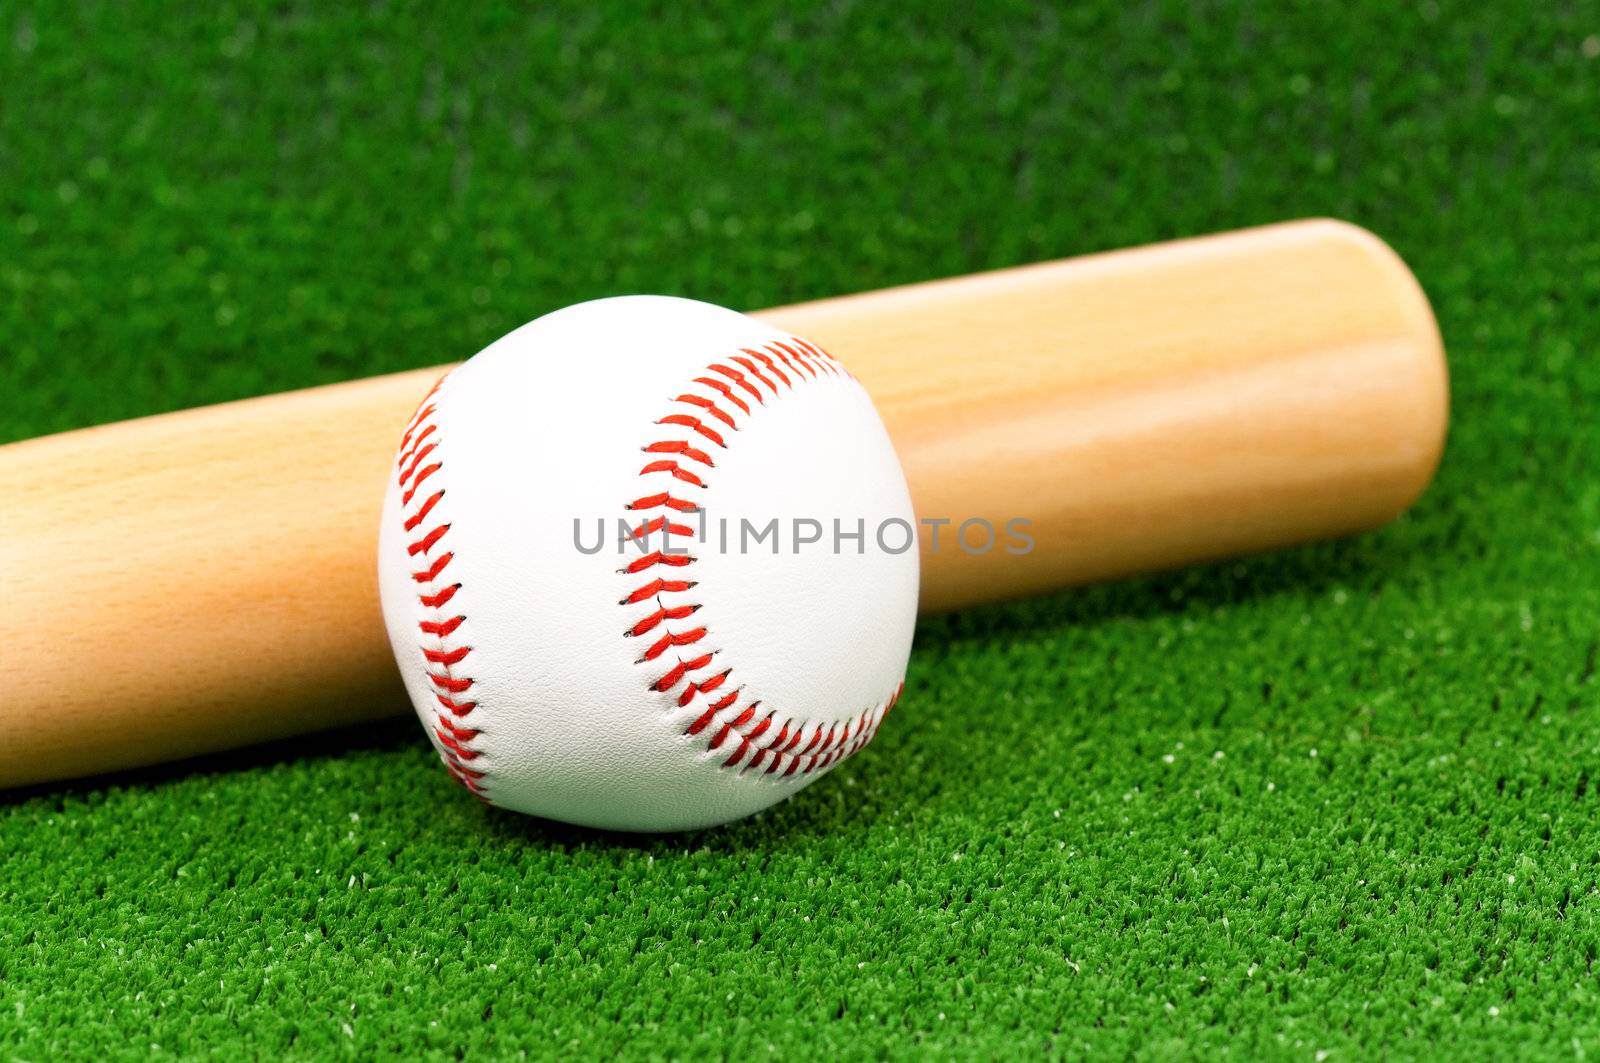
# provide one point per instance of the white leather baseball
(677, 683)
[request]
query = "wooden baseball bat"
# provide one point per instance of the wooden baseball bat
(206, 579)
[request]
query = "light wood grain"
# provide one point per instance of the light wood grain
(204, 580)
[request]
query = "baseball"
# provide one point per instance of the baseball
(647, 564)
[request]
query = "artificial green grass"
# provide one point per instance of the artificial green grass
(1343, 800)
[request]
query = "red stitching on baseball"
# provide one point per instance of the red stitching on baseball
(678, 446)
(678, 472)
(416, 461)
(405, 455)
(424, 544)
(651, 560)
(460, 708)
(429, 574)
(739, 378)
(765, 743)
(423, 413)
(418, 445)
(690, 421)
(455, 656)
(754, 371)
(441, 629)
(460, 734)
(679, 670)
(421, 476)
(710, 407)
(677, 612)
(422, 514)
(766, 360)
(690, 690)
(655, 587)
(669, 641)
(786, 352)
(435, 601)
(655, 524)
(726, 392)
(663, 499)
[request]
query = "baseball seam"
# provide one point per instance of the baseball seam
(419, 480)
(706, 412)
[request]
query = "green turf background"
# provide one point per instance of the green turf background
(1341, 800)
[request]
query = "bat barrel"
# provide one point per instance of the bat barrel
(1152, 408)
